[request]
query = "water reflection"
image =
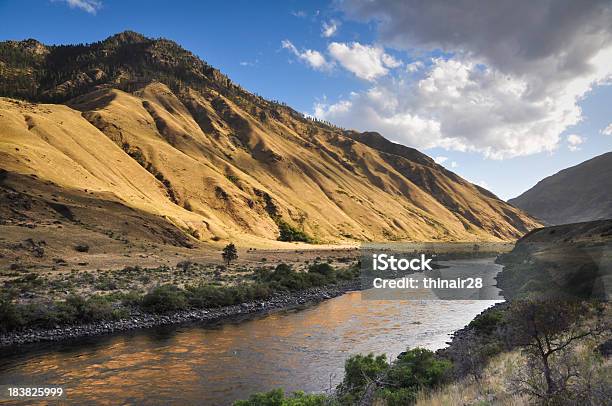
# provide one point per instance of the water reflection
(214, 365)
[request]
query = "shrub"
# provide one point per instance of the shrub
(419, 368)
(277, 397)
(165, 298)
(289, 233)
(77, 309)
(359, 370)
(398, 397)
(349, 273)
(283, 278)
(487, 323)
(324, 269)
(233, 178)
(205, 295)
(397, 383)
(10, 318)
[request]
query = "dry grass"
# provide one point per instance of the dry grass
(217, 174)
(490, 391)
(593, 373)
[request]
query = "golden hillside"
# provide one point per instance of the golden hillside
(221, 165)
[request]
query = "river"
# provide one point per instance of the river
(204, 364)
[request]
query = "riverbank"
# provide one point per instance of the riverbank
(138, 319)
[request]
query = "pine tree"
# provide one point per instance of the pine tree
(230, 253)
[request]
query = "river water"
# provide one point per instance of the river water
(203, 364)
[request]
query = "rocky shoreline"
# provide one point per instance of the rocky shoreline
(139, 320)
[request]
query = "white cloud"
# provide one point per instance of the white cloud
(249, 63)
(607, 130)
(440, 159)
(574, 141)
(366, 62)
(460, 105)
(500, 90)
(415, 66)
(391, 62)
(329, 28)
(315, 59)
(454, 164)
(299, 13)
(520, 37)
(89, 6)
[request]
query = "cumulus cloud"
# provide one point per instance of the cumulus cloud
(458, 105)
(365, 61)
(574, 141)
(329, 28)
(607, 130)
(313, 58)
(415, 66)
(89, 6)
(509, 83)
(520, 36)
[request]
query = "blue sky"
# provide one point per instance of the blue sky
(453, 96)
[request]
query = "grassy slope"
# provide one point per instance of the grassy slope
(490, 390)
(218, 161)
(223, 180)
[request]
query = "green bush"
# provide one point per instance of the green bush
(358, 371)
(398, 397)
(10, 317)
(324, 269)
(287, 232)
(349, 273)
(277, 397)
(285, 278)
(487, 323)
(206, 295)
(76, 309)
(419, 368)
(399, 381)
(165, 298)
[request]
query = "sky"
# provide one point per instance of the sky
(503, 93)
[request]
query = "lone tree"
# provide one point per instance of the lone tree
(230, 253)
(546, 329)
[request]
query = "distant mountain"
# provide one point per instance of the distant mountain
(569, 260)
(580, 193)
(142, 125)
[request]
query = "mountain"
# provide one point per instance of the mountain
(580, 193)
(139, 127)
(569, 260)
